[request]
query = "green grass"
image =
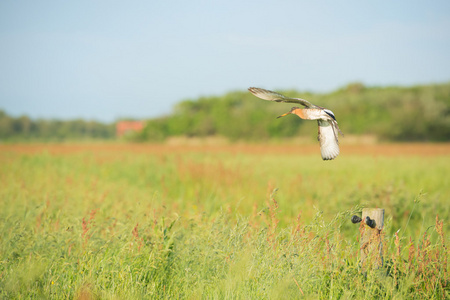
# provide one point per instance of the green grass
(195, 224)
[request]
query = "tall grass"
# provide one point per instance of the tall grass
(221, 225)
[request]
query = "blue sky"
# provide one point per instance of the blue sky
(105, 60)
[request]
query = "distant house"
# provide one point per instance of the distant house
(127, 127)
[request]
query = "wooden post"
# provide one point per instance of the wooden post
(371, 243)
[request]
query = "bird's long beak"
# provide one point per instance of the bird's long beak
(288, 113)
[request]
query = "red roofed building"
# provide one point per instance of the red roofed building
(126, 127)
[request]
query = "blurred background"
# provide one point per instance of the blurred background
(154, 70)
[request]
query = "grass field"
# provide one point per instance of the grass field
(117, 221)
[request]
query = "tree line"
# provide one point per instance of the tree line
(416, 113)
(25, 129)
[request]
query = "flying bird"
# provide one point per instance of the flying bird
(328, 126)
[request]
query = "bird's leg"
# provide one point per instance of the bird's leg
(337, 127)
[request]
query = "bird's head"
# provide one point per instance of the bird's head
(290, 112)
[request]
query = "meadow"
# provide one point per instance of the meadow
(232, 221)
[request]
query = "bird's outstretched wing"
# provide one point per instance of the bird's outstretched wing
(273, 96)
(328, 138)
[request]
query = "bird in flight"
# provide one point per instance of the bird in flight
(328, 126)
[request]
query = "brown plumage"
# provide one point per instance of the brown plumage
(328, 126)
